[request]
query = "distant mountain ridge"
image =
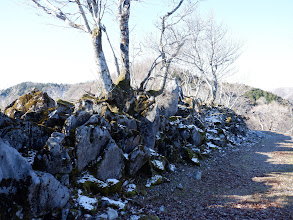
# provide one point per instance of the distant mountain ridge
(70, 92)
(285, 93)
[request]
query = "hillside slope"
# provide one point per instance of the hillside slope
(285, 93)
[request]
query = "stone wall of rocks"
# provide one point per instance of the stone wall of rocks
(65, 160)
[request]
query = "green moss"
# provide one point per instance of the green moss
(96, 187)
(149, 217)
(114, 187)
(175, 118)
(187, 153)
(64, 103)
(122, 82)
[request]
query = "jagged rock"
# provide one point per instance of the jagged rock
(126, 138)
(90, 142)
(46, 194)
(55, 159)
(12, 164)
(64, 107)
(75, 120)
(112, 164)
(57, 117)
(128, 122)
(5, 121)
(21, 189)
(16, 137)
(168, 101)
(149, 126)
(138, 157)
(196, 137)
(84, 104)
(25, 134)
(31, 106)
(98, 120)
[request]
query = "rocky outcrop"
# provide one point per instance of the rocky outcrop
(25, 192)
(138, 157)
(30, 106)
(23, 134)
(97, 148)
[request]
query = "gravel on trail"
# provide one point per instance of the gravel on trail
(251, 181)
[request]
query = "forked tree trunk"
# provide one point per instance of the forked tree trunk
(100, 61)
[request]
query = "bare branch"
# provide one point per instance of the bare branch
(83, 17)
(113, 52)
(154, 64)
(57, 12)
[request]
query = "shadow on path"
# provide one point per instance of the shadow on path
(257, 183)
(247, 182)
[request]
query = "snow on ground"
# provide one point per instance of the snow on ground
(118, 204)
(86, 202)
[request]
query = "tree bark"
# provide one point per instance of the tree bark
(124, 13)
(100, 61)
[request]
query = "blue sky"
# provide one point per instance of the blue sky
(33, 48)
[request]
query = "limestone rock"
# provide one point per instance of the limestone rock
(168, 101)
(75, 120)
(55, 159)
(149, 126)
(12, 164)
(25, 134)
(30, 106)
(35, 194)
(138, 157)
(46, 194)
(90, 142)
(126, 138)
(57, 117)
(112, 164)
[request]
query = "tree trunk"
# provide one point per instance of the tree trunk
(213, 86)
(211, 97)
(100, 61)
(124, 13)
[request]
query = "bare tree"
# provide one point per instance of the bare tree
(170, 41)
(87, 16)
(210, 51)
(233, 95)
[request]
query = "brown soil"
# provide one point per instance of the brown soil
(245, 182)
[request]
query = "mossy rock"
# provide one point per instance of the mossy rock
(190, 156)
(154, 180)
(158, 163)
(130, 190)
(114, 186)
(96, 187)
(175, 118)
(187, 153)
(149, 217)
(64, 103)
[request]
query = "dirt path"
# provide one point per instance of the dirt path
(248, 182)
